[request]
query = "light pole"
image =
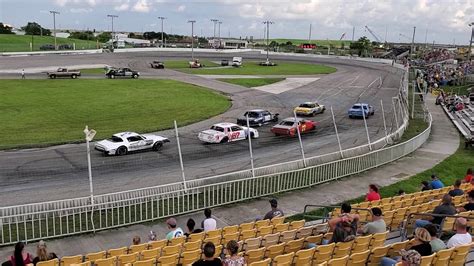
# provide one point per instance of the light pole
(162, 40)
(89, 137)
(192, 37)
(268, 22)
(220, 22)
(113, 37)
(54, 27)
(470, 42)
(413, 43)
(215, 22)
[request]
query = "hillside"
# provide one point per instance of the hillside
(21, 43)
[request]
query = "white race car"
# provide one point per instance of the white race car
(124, 142)
(226, 132)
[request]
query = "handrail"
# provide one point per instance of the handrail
(325, 217)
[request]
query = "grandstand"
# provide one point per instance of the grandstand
(276, 242)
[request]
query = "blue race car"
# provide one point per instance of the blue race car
(356, 110)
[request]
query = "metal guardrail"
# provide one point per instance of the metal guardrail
(36, 221)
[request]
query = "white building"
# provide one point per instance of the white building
(229, 43)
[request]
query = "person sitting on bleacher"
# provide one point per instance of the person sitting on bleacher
(410, 257)
(446, 207)
(174, 231)
(209, 250)
(190, 226)
(377, 225)
(436, 243)
(425, 186)
(209, 223)
(421, 244)
(275, 212)
(435, 182)
(462, 236)
(456, 191)
(345, 225)
(373, 193)
(470, 205)
(468, 177)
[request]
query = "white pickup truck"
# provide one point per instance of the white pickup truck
(237, 61)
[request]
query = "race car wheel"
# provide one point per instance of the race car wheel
(224, 140)
(157, 145)
(112, 76)
(252, 135)
(121, 151)
(52, 76)
(260, 124)
(135, 76)
(73, 76)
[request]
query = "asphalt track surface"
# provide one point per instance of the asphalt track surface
(60, 172)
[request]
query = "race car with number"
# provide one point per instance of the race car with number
(227, 132)
(257, 117)
(125, 142)
(288, 126)
(310, 108)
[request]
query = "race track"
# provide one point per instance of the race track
(60, 172)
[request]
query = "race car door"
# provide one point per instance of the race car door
(136, 143)
(236, 133)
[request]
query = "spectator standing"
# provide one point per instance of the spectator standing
(462, 237)
(446, 207)
(23, 74)
(425, 186)
(468, 177)
(456, 191)
(209, 223)
(20, 256)
(377, 225)
(275, 212)
(435, 182)
(42, 253)
(190, 227)
(470, 205)
(373, 193)
(209, 250)
(136, 240)
(233, 259)
(436, 243)
(174, 231)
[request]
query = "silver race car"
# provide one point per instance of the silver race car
(124, 142)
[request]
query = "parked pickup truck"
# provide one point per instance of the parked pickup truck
(64, 73)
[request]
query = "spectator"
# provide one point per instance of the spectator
(209, 250)
(20, 256)
(174, 231)
(462, 237)
(410, 257)
(421, 244)
(373, 193)
(377, 225)
(275, 212)
(456, 191)
(425, 186)
(42, 253)
(435, 182)
(152, 236)
(436, 243)
(233, 259)
(190, 227)
(401, 192)
(209, 223)
(470, 205)
(23, 74)
(468, 177)
(136, 240)
(445, 208)
(345, 216)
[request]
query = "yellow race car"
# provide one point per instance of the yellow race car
(310, 108)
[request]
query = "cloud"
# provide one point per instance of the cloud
(80, 10)
(63, 3)
(142, 6)
(181, 8)
(122, 7)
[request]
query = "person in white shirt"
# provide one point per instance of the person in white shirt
(209, 223)
(462, 237)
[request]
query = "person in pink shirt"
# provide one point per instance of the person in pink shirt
(373, 193)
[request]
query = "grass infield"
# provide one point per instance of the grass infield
(45, 112)
(252, 82)
(21, 43)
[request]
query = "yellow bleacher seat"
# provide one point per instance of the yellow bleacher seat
(254, 255)
(265, 262)
(261, 223)
(359, 259)
(323, 253)
(137, 248)
(297, 224)
(361, 243)
(188, 257)
(264, 230)
(303, 257)
(395, 248)
(188, 246)
(378, 239)
(177, 241)
(281, 227)
(246, 226)
(68, 260)
(171, 250)
(230, 229)
(122, 260)
(246, 234)
(87, 263)
(459, 255)
(277, 220)
(150, 254)
(442, 257)
(294, 245)
(214, 233)
(231, 236)
(216, 240)
(219, 250)
(150, 262)
(313, 239)
(252, 243)
(171, 260)
(271, 239)
(95, 256)
(338, 261)
(157, 244)
(304, 232)
(111, 261)
(342, 249)
(53, 262)
(117, 251)
(426, 260)
(283, 260)
(196, 237)
(275, 250)
(288, 235)
(376, 254)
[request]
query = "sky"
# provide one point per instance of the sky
(442, 21)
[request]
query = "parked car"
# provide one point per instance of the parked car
(46, 47)
(257, 117)
(124, 142)
(122, 72)
(360, 110)
(226, 132)
(237, 61)
(224, 62)
(267, 63)
(63, 73)
(195, 64)
(157, 65)
(287, 127)
(65, 47)
(310, 108)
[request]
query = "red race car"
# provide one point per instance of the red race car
(288, 126)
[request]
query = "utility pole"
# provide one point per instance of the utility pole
(469, 54)
(113, 33)
(309, 38)
(353, 32)
(413, 42)
(162, 40)
(215, 22)
(426, 38)
(220, 22)
(54, 27)
(268, 22)
(192, 37)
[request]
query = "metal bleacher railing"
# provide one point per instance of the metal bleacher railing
(36, 221)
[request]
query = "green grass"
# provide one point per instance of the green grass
(336, 43)
(44, 112)
(178, 65)
(255, 82)
(93, 71)
(252, 68)
(21, 43)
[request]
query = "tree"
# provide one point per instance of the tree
(104, 37)
(82, 35)
(363, 46)
(273, 44)
(33, 28)
(288, 43)
(4, 29)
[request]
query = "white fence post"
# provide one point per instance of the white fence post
(413, 86)
(299, 138)
(180, 156)
(384, 122)
(249, 136)
(365, 124)
(337, 134)
(394, 107)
